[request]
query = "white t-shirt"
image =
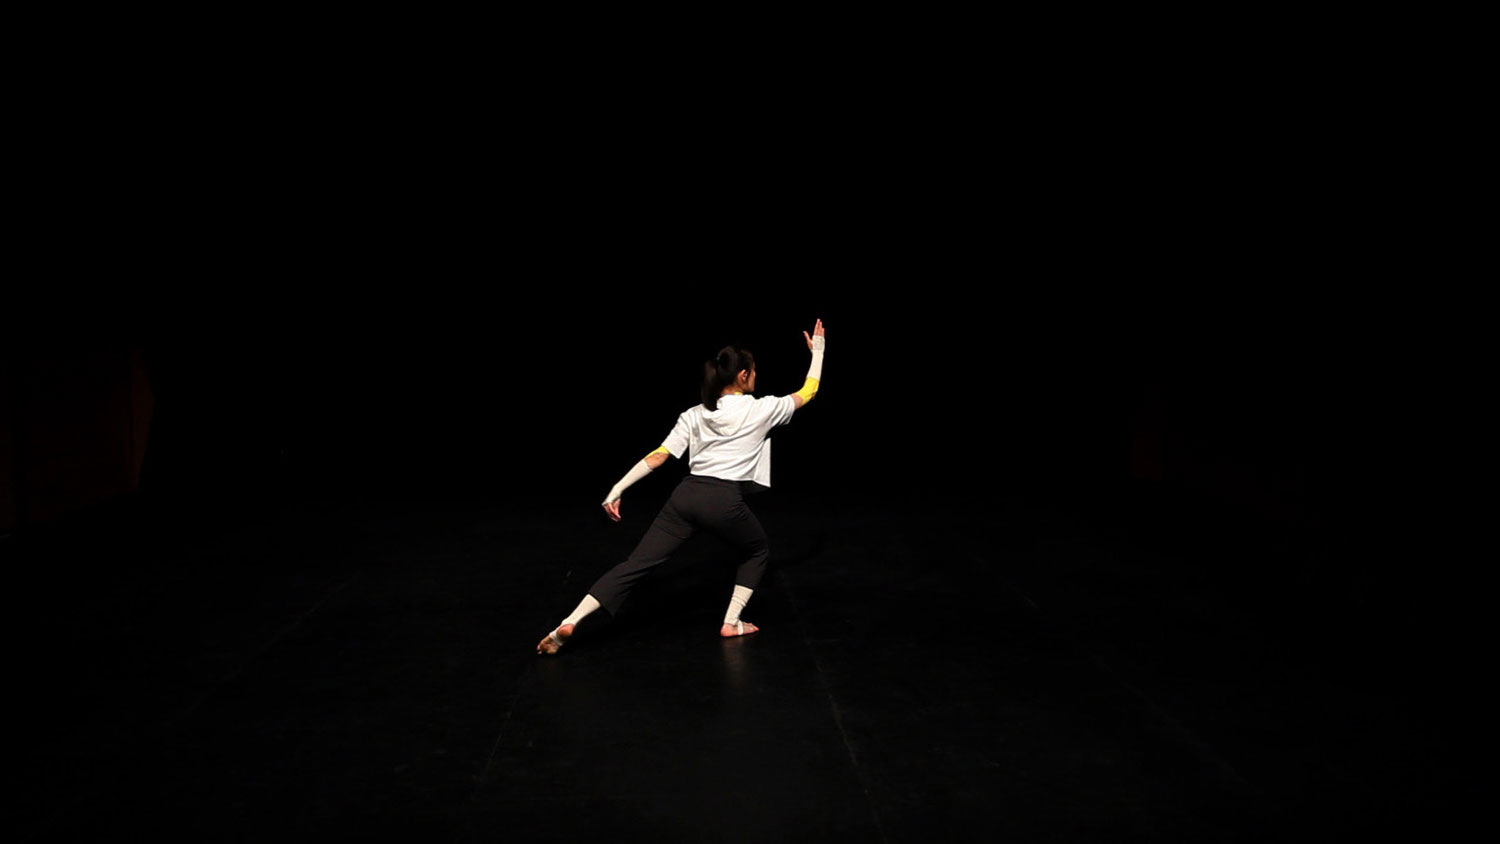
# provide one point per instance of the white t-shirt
(730, 443)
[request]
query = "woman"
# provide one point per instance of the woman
(726, 436)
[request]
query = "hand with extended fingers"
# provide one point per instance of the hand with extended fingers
(815, 341)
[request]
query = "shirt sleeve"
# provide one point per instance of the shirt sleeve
(677, 441)
(781, 410)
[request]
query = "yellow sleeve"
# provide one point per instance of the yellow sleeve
(809, 389)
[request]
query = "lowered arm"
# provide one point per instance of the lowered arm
(645, 466)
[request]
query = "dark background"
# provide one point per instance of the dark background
(1181, 323)
(510, 390)
(1098, 342)
(1283, 471)
(1288, 413)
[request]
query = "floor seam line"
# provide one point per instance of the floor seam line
(281, 634)
(833, 706)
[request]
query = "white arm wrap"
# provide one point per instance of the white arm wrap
(638, 471)
(815, 370)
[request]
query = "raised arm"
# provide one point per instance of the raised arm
(815, 343)
(641, 469)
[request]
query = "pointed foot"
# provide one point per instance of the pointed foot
(553, 642)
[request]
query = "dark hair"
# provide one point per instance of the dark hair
(721, 372)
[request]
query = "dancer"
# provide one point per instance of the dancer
(726, 436)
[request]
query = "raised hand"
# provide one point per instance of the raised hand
(818, 333)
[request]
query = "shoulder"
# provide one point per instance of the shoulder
(778, 408)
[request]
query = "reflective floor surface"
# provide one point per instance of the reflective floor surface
(927, 669)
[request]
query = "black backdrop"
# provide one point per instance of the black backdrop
(991, 386)
(1266, 407)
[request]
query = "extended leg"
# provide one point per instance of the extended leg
(662, 539)
(665, 535)
(553, 642)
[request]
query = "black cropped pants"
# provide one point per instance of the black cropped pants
(698, 503)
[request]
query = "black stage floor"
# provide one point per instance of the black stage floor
(930, 667)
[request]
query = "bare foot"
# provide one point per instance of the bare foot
(553, 642)
(744, 628)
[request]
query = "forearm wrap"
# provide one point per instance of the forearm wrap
(638, 471)
(814, 372)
